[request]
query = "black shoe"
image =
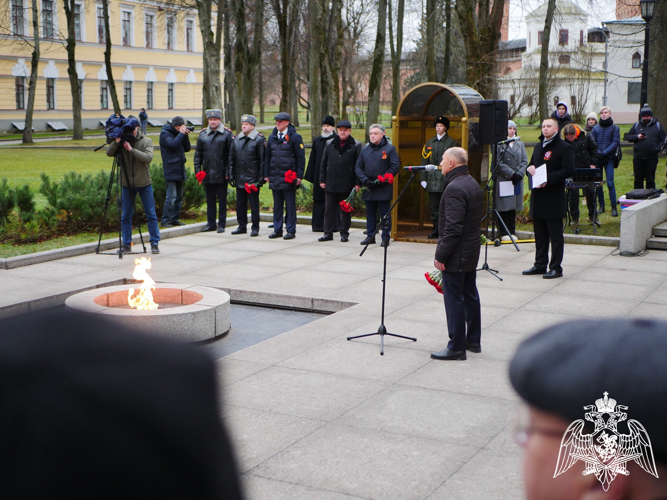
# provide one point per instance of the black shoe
(369, 240)
(344, 238)
(365, 232)
(614, 212)
(166, 225)
(254, 232)
(221, 229)
(125, 249)
(208, 229)
(574, 222)
(239, 231)
(291, 236)
(533, 270)
(276, 234)
(434, 235)
(600, 210)
(551, 274)
(270, 225)
(154, 248)
(594, 220)
(178, 223)
(326, 237)
(476, 348)
(385, 243)
(447, 355)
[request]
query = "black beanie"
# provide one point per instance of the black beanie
(646, 111)
(177, 121)
(328, 120)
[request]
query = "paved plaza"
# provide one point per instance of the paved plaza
(314, 416)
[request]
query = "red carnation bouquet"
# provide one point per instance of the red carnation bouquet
(388, 178)
(200, 176)
(290, 176)
(347, 204)
(435, 278)
(251, 188)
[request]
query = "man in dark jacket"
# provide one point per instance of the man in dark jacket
(174, 143)
(337, 178)
(284, 163)
(547, 200)
(432, 181)
(377, 158)
(143, 118)
(313, 173)
(211, 163)
(561, 115)
(457, 253)
(585, 156)
(246, 167)
(608, 138)
(649, 137)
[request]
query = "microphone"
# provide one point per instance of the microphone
(510, 140)
(423, 167)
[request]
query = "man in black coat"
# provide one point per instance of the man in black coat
(457, 253)
(377, 158)
(174, 143)
(547, 201)
(313, 172)
(143, 118)
(648, 136)
(211, 164)
(246, 169)
(337, 178)
(284, 163)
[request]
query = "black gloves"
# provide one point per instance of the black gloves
(369, 184)
(516, 178)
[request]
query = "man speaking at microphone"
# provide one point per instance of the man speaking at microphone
(457, 253)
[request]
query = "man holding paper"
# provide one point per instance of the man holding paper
(552, 162)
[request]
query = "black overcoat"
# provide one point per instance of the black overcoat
(549, 202)
(173, 146)
(212, 154)
(282, 156)
(375, 160)
(338, 165)
(246, 159)
(314, 162)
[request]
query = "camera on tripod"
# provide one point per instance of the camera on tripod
(119, 126)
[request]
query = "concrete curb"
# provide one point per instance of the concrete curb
(577, 239)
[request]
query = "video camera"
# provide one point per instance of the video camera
(119, 126)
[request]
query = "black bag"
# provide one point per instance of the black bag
(643, 194)
(618, 156)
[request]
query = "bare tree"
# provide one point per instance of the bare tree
(314, 61)
(34, 69)
(657, 71)
(396, 53)
(77, 127)
(211, 89)
(375, 81)
(448, 41)
(357, 18)
(544, 60)
(247, 57)
(287, 18)
(230, 76)
(430, 15)
(107, 58)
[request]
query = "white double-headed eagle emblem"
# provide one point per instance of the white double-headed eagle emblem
(605, 451)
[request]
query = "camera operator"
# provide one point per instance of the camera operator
(174, 143)
(136, 155)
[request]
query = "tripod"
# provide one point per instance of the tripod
(384, 224)
(116, 169)
(491, 211)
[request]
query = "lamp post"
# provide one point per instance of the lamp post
(648, 8)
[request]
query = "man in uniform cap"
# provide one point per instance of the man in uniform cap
(433, 181)
(581, 371)
(284, 163)
(313, 172)
(211, 163)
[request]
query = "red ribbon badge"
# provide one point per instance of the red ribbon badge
(384, 155)
(547, 155)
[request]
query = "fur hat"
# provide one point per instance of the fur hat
(214, 113)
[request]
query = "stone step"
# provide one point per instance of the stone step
(660, 229)
(657, 243)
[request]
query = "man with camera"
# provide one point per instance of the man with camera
(136, 157)
(211, 162)
(174, 143)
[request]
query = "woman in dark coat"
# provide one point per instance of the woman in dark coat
(512, 163)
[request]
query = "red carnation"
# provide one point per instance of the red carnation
(200, 176)
(290, 176)
(345, 206)
(389, 178)
(380, 178)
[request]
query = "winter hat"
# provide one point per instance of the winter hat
(249, 119)
(177, 121)
(214, 113)
(329, 120)
(510, 123)
(283, 116)
(442, 119)
(646, 111)
(593, 115)
(344, 124)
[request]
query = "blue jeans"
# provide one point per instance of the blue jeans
(372, 207)
(147, 200)
(173, 201)
(607, 165)
(143, 127)
(464, 319)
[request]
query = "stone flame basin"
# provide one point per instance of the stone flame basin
(186, 313)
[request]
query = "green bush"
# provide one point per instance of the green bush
(25, 202)
(193, 194)
(231, 198)
(7, 201)
(304, 197)
(159, 187)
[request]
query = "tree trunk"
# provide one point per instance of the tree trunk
(430, 40)
(314, 63)
(282, 14)
(211, 43)
(247, 60)
(77, 128)
(334, 53)
(657, 70)
(34, 70)
(261, 92)
(448, 41)
(396, 54)
(230, 79)
(375, 81)
(544, 61)
(107, 58)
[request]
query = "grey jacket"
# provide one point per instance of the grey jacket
(511, 160)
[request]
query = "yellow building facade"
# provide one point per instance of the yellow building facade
(156, 59)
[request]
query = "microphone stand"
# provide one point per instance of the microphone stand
(384, 223)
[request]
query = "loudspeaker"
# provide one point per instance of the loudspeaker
(493, 116)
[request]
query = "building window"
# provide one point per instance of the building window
(634, 92)
(539, 37)
(20, 92)
(512, 99)
(150, 30)
(636, 60)
(171, 33)
(127, 95)
(101, 38)
(573, 101)
(581, 37)
(50, 93)
(126, 28)
(104, 95)
(18, 23)
(149, 95)
(564, 59)
(48, 30)
(81, 93)
(189, 35)
(170, 95)
(563, 37)
(77, 22)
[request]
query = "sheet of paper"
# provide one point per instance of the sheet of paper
(540, 176)
(505, 188)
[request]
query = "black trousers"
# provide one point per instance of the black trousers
(336, 219)
(644, 168)
(464, 316)
(509, 218)
(573, 202)
(216, 193)
(243, 198)
(372, 207)
(284, 199)
(317, 222)
(549, 231)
